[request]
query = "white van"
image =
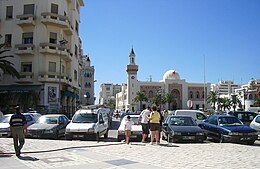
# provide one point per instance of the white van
(197, 115)
(87, 123)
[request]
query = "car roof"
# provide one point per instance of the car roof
(180, 116)
(52, 115)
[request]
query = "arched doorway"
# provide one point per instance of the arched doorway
(177, 98)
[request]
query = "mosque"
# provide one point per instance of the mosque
(186, 95)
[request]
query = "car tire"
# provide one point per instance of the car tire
(106, 134)
(118, 139)
(168, 138)
(163, 137)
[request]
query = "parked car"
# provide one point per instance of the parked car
(226, 128)
(255, 124)
(88, 123)
(197, 115)
(182, 129)
(48, 126)
(5, 126)
(245, 116)
(136, 132)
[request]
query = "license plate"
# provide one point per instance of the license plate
(133, 136)
(188, 137)
(78, 136)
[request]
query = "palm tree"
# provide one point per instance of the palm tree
(159, 99)
(170, 99)
(234, 101)
(5, 65)
(140, 97)
(212, 98)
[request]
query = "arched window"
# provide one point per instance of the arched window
(150, 95)
(203, 95)
(197, 95)
(191, 95)
(250, 97)
(87, 95)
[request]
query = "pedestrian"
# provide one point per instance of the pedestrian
(155, 125)
(18, 126)
(128, 128)
(144, 116)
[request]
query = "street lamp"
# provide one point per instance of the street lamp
(62, 42)
(244, 94)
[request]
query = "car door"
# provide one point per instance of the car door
(62, 124)
(165, 127)
(210, 126)
(101, 124)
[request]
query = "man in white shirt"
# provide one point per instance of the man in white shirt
(144, 116)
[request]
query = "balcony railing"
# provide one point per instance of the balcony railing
(55, 19)
(25, 20)
(22, 49)
(25, 77)
(56, 49)
(53, 77)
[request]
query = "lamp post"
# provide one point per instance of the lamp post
(62, 42)
(244, 94)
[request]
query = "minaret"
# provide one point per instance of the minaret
(131, 70)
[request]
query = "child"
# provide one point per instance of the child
(128, 128)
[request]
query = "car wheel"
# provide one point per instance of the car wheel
(97, 137)
(221, 138)
(163, 137)
(168, 138)
(118, 139)
(106, 134)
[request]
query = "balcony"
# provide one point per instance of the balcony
(24, 49)
(25, 20)
(55, 49)
(53, 77)
(25, 77)
(55, 20)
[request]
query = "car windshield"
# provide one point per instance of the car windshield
(229, 121)
(5, 119)
(182, 121)
(134, 120)
(28, 118)
(47, 120)
(85, 118)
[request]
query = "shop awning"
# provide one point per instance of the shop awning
(19, 88)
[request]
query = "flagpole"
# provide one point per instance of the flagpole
(204, 83)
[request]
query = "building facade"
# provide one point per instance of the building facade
(43, 37)
(172, 83)
(225, 88)
(87, 82)
(108, 92)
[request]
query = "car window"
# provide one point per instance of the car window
(64, 119)
(85, 118)
(251, 116)
(47, 120)
(5, 119)
(28, 118)
(257, 119)
(229, 121)
(101, 117)
(182, 121)
(201, 116)
(213, 120)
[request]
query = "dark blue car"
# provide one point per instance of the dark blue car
(225, 128)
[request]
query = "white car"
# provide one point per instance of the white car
(255, 124)
(87, 123)
(136, 132)
(197, 115)
(5, 126)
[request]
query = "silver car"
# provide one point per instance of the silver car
(255, 124)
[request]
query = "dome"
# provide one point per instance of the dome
(171, 75)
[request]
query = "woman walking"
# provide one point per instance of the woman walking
(155, 125)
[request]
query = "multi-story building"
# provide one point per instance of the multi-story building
(43, 37)
(183, 92)
(87, 82)
(225, 88)
(108, 92)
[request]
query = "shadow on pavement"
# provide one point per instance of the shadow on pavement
(28, 158)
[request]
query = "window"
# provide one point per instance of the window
(213, 120)
(76, 50)
(63, 69)
(150, 95)
(201, 116)
(28, 9)
(26, 67)
(191, 95)
(197, 95)
(53, 37)
(87, 95)
(197, 106)
(9, 12)
(54, 8)
(77, 27)
(8, 40)
(52, 66)
(257, 119)
(75, 75)
(28, 38)
(203, 95)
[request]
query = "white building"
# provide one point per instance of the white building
(225, 88)
(108, 92)
(87, 85)
(43, 37)
(182, 90)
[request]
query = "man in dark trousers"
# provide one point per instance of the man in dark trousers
(18, 127)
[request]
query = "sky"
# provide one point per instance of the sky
(181, 35)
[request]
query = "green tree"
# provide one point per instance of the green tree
(5, 65)
(235, 101)
(159, 99)
(140, 97)
(170, 99)
(212, 99)
(111, 104)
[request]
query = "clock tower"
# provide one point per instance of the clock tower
(132, 87)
